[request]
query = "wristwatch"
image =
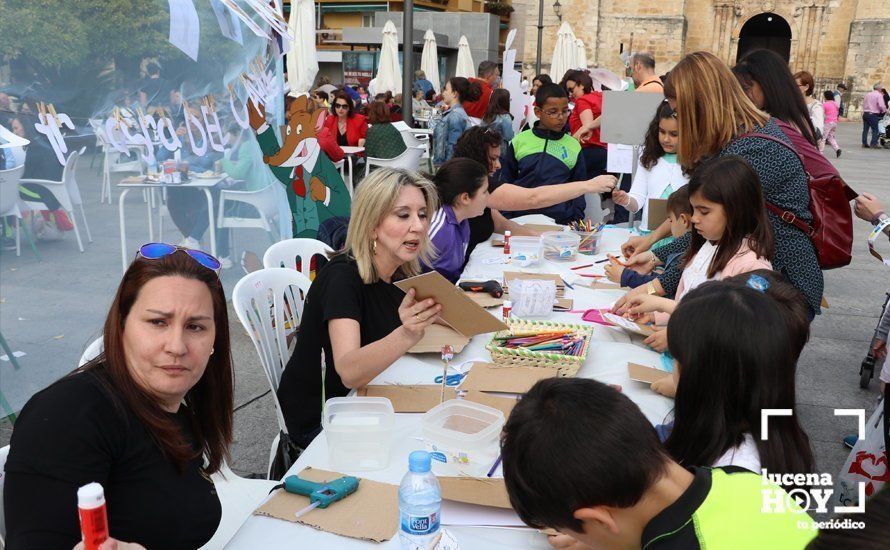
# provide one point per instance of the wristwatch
(650, 289)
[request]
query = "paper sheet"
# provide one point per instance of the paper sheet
(185, 27)
(228, 21)
(619, 159)
(627, 324)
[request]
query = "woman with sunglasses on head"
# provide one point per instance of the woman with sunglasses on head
(353, 313)
(348, 126)
(150, 418)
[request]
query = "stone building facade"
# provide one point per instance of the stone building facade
(836, 40)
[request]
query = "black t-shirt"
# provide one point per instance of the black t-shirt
(336, 293)
(481, 228)
(71, 434)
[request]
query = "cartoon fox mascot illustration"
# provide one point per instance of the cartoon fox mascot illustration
(315, 190)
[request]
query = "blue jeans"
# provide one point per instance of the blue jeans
(870, 122)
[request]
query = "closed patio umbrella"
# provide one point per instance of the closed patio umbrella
(302, 61)
(429, 60)
(563, 53)
(580, 54)
(389, 72)
(465, 66)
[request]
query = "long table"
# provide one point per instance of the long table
(607, 362)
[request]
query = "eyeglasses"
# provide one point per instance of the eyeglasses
(557, 114)
(341, 105)
(155, 251)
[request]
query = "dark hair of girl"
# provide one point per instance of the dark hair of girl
(498, 104)
(465, 90)
(828, 95)
(340, 94)
(781, 97)
(209, 401)
(652, 149)
(733, 352)
(378, 113)
(475, 143)
(543, 78)
(460, 175)
(731, 182)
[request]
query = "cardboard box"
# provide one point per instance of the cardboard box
(658, 213)
(464, 317)
(484, 491)
(494, 378)
(371, 513)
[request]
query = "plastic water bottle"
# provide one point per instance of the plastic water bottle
(420, 500)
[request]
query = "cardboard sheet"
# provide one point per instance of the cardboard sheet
(600, 284)
(371, 513)
(435, 336)
(494, 378)
(642, 373)
(542, 228)
(484, 491)
(657, 213)
(458, 311)
(628, 325)
(409, 399)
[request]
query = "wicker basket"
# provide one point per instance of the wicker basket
(568, 365)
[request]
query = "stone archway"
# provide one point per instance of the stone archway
(768, 31)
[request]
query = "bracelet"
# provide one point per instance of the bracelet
(878, 216)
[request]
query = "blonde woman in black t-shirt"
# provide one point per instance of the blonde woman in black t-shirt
(353, 313)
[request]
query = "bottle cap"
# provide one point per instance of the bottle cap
(91, 495)
(419, 462)
(508, 304)
(507, 233)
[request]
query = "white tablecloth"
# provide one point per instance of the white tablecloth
(606, 361)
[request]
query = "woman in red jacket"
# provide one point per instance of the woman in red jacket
(584, 121)
(346, 125)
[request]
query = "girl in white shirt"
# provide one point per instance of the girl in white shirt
(733, 353)
(658, 174)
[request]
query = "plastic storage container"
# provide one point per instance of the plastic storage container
(526, 251)
(560, 246)
(590, 242)
(463, 433)
(359, 432)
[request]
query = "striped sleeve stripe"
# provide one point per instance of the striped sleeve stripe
(437, 223)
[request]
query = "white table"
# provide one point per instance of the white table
(204, 184)
(352, 151)
(606, 361)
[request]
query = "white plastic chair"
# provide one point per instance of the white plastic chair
(239, 497)
(264, 200)
(10, 205)
(286, 253)
(268, 302)
(67, 193)
(412, 139)
(4, 454)
(113, 160)
(347, 179)
(92, 351)
(409, 160)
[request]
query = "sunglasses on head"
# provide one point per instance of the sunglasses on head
(154, 251)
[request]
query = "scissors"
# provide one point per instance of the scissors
(451, 380)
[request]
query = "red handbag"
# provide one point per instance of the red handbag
(831, 230)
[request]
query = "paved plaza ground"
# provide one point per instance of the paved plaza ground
(52, 309)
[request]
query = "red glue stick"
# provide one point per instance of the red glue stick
(506, 242)
(93, 516)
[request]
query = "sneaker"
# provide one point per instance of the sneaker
(8, 243)
(189, 242)
(864, 146)
(850, 441)
(838, 153)
(225, 263)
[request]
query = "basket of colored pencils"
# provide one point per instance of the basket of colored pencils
(529, 343)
